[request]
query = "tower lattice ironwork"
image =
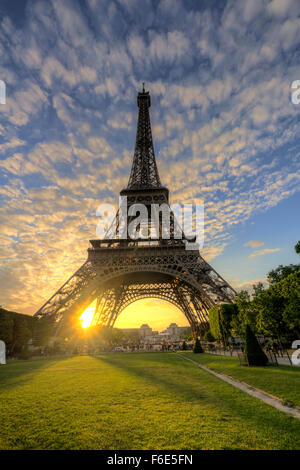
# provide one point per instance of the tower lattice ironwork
(144, 173)
(119, 271)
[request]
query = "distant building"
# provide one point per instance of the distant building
(130, 330)
(145, 331)
(148, 336)
(175, 331)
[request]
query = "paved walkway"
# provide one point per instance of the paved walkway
(254, 392)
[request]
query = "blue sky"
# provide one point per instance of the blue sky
(225, 130)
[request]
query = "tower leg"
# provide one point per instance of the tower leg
(184, 300)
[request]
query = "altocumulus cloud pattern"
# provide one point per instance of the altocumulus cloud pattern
(219, 73)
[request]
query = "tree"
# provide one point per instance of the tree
(42, 331)
(257, 289)
(246, 313)
(197, 347)
(278, 307)
(21, 335)
(270, 307)
(276, 275)
(6, 328)
(186, 335)
(209, 337)
(220, 318)
(15, 330)
(253, 350)
(291, 313)
(112, 337)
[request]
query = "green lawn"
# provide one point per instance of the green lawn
(281, 381)
(132, 401)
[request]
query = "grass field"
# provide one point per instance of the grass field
(281, 381)
(132, 401)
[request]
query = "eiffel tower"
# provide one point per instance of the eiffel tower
(119, 271)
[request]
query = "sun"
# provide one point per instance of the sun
(87, 316)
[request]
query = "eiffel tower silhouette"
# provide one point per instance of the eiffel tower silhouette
(119, 271)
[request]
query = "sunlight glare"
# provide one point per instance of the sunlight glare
(87, 316)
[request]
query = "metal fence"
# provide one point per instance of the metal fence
(279, 357)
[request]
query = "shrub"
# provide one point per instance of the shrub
(197, 347)
(183, 347)
(253, 350)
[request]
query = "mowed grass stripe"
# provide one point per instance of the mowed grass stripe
(132, 401)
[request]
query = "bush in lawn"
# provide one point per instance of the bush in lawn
(197, 347)
(183, 347)
(209, 337)
(253, 350)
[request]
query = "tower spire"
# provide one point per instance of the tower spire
(144, 172)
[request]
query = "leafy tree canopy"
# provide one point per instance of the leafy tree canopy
(291, 313)
(282, 272)
(220, 318)
(246, 313)
(278, 308)
(276, 275)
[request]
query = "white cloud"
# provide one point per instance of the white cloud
(252, 8)
(53, 70)
(168, 47)
(109, 86)
(13, 143)
(137, 47)
(32, 57)
(259, 115)
(263, 252)
(24, 104)
(283, 8)
(254, 243)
